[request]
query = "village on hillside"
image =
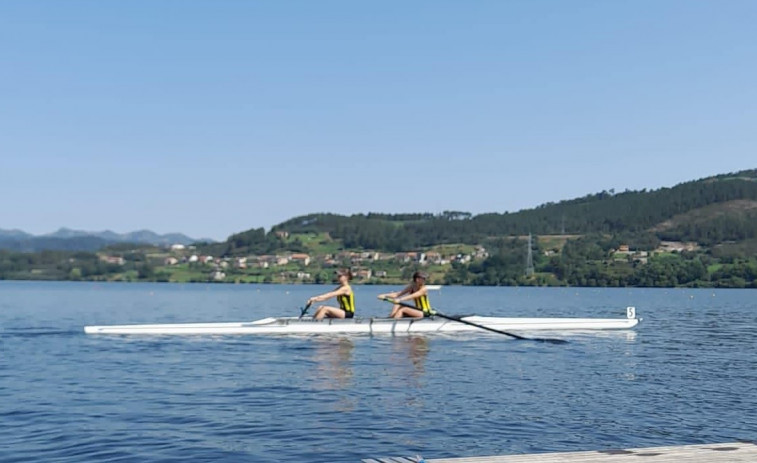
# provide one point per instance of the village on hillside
(181, 263)
(185, 264)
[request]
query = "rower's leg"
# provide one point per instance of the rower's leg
(333, 312)
(409, 313)
(399, 313)
(326, 311)
(394, 311)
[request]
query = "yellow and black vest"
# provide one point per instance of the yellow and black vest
(347, 302)
(422, 303)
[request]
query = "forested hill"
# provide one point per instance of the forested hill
(709, 211)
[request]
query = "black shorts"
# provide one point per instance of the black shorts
(348, 314)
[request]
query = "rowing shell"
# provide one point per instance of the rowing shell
(293, 325)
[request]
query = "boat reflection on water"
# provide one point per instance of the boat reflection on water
(333, 360)
(412, 349)
(407, 372)
(333, 372)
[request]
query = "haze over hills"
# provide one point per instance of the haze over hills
(139, 236)
(14, 234)
(66, 239)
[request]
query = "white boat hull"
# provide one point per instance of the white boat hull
(293, 325)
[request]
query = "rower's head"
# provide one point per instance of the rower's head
(346, 273)
(420, 277)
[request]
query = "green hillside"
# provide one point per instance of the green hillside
(710, 211)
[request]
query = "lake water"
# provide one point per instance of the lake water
(687, 374)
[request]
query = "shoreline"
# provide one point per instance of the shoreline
(434, 287)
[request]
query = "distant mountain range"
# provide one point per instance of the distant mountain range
(66, 239)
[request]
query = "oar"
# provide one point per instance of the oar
(304, 310)
(466, 322)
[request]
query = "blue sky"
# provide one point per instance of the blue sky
(213, 117)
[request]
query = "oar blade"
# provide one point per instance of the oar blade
(304, 310)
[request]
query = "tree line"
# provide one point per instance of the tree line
(628, 212)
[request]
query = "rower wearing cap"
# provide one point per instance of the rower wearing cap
(418, 292)
(343, 294)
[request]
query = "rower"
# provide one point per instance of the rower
(418, 292)
(344, 296)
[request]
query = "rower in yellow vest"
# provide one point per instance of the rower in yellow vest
(418, 292)
(344, 296)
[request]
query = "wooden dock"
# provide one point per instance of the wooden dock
(731, 452)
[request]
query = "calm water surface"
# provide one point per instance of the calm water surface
(687, 374)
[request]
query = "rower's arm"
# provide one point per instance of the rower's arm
(395, 294)
(421, 292)
(329, 295)
(388, 295)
